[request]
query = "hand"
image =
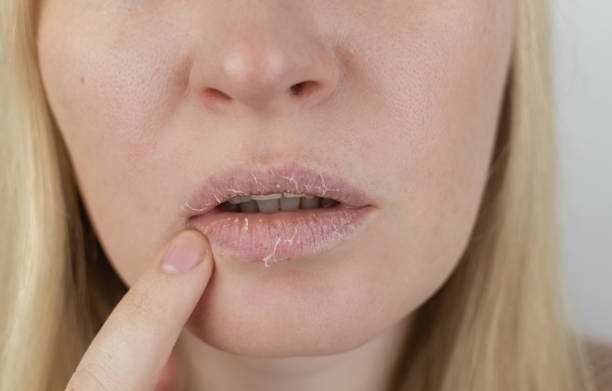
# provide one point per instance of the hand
(134, 344)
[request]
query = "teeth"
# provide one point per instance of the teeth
(239, 200)
(271, 203)
(267, 197)
(268, 206)
(310, 202)
(291, 202)
(249, 207)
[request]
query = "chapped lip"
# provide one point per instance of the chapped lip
(251, 179)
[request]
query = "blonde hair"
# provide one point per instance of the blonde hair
(496, 324)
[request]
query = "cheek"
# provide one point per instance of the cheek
(435, 126)
(113, 95)
(112, 99)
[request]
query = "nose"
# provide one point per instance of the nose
(263, 63)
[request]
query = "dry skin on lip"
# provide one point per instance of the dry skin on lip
(270, 257)
(323, 189)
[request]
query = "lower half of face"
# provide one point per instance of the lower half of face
(403, 105)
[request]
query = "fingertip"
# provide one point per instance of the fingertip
(186, 250)
(207, 254)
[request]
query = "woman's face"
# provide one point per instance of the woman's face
(400, 100)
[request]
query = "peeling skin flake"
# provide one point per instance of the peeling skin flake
(292, 180)
(237, 191)
(187, 206)
(270, 257)
(323, 187)
(255, 179)
(290, 241)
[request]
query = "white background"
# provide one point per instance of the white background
(582, 55)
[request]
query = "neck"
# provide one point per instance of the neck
(370, 366)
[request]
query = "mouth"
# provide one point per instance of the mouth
(275, 214)
(271, 203)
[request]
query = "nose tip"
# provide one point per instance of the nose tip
(264, 70)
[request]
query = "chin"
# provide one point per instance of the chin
(288, 313)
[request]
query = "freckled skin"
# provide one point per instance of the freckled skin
(404, 106)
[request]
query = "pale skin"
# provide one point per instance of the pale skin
(405, 107)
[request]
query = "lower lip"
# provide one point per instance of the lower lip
(279, 236)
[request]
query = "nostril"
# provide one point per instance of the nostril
(214, 94)
(295, 89)
(302, 88)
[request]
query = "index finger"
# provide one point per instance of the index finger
(134, 343)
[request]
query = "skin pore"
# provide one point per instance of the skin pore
(404, 106)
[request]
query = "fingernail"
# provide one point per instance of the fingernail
(185, 252)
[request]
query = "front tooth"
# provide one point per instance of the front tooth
(266, 197)
(291, 195)
(289, 203)
(310, 202)
(268, 206)
(238, 200)
(249, 207)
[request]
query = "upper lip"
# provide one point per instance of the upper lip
(289, 178)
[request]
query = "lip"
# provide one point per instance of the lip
(282, 235)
